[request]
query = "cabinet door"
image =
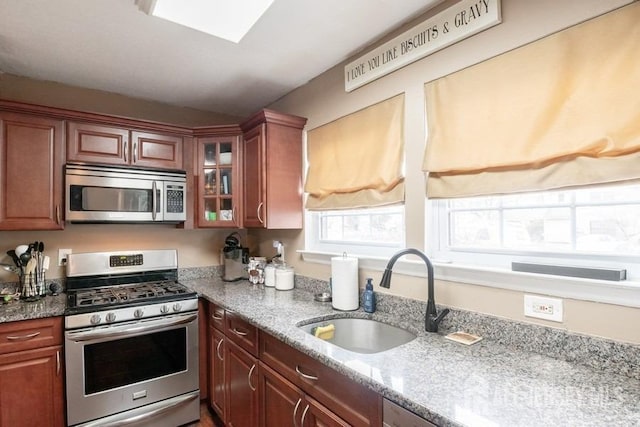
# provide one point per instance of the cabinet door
(254, 178)
(241, 379)
(97, 144)
(31, 388)
(281, 402)
(31, 161)
(156, 150)
(216, 371)
(219, 182)
(315, 414)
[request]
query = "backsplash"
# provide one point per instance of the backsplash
(597, 353)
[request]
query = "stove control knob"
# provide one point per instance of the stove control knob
(177, 306)
(138, 313)
(111, 317)
(164, 309)
(95, 319)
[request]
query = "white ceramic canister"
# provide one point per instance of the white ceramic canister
(284, 278)
(270, 275)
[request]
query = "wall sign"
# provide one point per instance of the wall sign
(462, 20)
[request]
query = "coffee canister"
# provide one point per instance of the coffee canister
(284, 278)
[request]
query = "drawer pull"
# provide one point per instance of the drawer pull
(249, 377)
(304, 414)
(295, 411)
(214, 317)
(58, 363)
(306, 376)
(239, 332)
(23, 337)
(218, 349)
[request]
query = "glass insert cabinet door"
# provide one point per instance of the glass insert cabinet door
(218, 182)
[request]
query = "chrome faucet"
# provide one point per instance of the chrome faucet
(431, 319)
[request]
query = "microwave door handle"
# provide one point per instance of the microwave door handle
(154, 200)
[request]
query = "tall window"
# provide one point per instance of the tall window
(596, 227)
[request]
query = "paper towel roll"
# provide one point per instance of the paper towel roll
(344, 283)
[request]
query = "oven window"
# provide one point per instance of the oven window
(122, 362)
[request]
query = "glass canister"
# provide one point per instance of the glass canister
(256, 269)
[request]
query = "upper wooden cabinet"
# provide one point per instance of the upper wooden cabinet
(218, 181)
(94, 143)
(272, 170)
(31, 160)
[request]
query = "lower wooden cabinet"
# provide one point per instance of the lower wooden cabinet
(241, 380)
(257, 380)
(31, 378)
(282, 404)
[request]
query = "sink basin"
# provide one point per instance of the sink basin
(362, 335)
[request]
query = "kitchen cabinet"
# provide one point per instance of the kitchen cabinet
(272, 170)
(31, 161)
(216, 359)
(241, 379)
(202, 349)
(98, 143)
(218, 181)
(233, 376)
(332, 398)
(31, 373)
(283, 404)
(268, 383)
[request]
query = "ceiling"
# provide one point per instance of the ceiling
(111, 45)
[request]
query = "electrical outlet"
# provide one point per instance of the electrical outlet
(62, 256)
(543, 307)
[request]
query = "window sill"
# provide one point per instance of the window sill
(625, 293)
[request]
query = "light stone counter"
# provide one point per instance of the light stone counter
(486, 384)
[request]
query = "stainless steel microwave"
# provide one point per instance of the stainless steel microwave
(112, 194)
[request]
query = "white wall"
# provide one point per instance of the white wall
(324, 99)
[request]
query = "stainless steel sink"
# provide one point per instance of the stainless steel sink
(363, 335)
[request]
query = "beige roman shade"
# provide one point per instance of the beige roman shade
(563, 111)
(356, 161)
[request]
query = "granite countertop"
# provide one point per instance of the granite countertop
(450, 384)
(48, 306)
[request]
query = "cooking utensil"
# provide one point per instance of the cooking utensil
(20, 249)
(15, 258)
(25, 257)
(11, 268)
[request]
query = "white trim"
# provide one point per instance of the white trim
(624, 293)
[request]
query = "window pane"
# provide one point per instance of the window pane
(375, 227)
(614, 228)
(538, 229)
(475, 229)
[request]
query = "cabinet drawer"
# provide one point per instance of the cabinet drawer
(28, 334)
(355, 403)
(241, 332)
(216, 316)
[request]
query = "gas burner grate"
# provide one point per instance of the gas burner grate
(114, 295)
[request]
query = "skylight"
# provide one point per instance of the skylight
(227, 19)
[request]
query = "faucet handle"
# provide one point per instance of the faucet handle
(432, 321)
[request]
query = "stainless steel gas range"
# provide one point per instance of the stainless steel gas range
(131, 341)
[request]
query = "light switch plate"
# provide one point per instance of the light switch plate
(543, 307)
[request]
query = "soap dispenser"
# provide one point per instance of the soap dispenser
(369, 297)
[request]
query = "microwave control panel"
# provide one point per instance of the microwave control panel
(175, 198)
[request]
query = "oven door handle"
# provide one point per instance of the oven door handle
(126, 330)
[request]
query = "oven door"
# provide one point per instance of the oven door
(115, 368)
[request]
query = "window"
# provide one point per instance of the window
(374, 231)
(596, 227)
